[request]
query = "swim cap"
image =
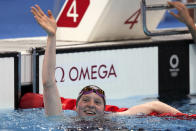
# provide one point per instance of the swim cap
(89, 89)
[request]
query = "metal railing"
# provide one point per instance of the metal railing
(172, 31)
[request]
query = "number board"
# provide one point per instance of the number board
(73, 12)
(104, 20)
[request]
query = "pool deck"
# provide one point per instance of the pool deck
(27, 44)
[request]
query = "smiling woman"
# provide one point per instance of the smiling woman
(90, 103)
(29, 119)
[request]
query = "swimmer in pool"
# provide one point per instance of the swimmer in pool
(91, 99)
(184, 16)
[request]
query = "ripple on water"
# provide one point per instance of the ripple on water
(34, 119)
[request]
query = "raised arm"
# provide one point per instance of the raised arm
(147, 108)
(184, 16)
(52, 102)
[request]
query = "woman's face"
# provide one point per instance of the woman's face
(90, 105)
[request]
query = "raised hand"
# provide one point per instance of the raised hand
(184, 16)
(183, 13)
(48, 23)
(52, 101)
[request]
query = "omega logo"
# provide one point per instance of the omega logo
(61, 70)
(85, 73)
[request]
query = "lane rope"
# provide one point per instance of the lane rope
(33, 100)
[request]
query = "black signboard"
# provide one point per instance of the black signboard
(173, 69)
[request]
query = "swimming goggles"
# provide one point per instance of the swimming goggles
(92, 88)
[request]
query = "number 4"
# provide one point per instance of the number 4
(135, 17)
(74, 13)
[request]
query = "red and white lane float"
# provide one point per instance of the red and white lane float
(32, 100)
(103, 20)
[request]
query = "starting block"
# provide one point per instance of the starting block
(104, 20)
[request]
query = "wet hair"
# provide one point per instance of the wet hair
(93, 87)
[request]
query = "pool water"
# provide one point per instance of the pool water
(34, 119)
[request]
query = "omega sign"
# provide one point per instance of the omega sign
(174, 64)
(92, 72)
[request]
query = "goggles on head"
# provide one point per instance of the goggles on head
(89, 89)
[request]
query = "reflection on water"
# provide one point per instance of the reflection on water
(34, 119)
(89, 124)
